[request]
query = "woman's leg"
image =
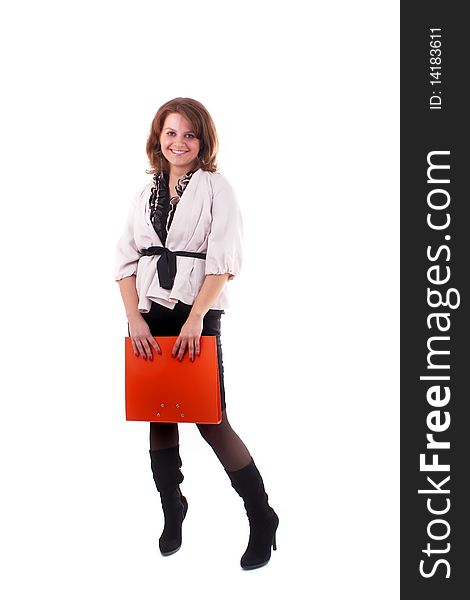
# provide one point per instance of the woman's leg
(163, 435)
(229, 448)
(166, 462)
(248, 483)
(164, 446)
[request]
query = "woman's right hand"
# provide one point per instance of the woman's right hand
(142, 339)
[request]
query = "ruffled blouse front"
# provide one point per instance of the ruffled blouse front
(162, 207)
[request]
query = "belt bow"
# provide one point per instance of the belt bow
(166, 265)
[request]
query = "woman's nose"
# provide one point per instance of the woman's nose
(178, 139)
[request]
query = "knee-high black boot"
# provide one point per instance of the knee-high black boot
(166, 465)
(248, 483)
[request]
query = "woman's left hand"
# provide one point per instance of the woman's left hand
(188, 339)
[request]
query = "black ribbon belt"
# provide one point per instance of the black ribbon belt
(166, 265)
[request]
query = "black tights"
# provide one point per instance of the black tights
(228, 447)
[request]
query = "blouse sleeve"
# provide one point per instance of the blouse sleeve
(127, 254)
(224, 249)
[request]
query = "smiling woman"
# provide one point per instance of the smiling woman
(179, 145)
(182, 124)
(181, 245)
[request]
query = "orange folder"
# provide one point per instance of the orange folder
(167, 390)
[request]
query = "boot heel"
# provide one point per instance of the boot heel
(274, 542)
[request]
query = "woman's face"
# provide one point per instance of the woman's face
(179, 144)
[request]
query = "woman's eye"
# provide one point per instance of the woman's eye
(190, 135)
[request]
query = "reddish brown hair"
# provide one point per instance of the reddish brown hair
(204, 130)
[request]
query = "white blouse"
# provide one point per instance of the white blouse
(208, 220)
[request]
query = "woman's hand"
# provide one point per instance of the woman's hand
(142, 339)
(189, 338)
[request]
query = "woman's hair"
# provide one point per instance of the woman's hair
(204, 130)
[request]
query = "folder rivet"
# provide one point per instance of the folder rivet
(182, 415)
(158, 414)
(177, 406)
(162, 405)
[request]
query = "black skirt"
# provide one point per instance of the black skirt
(166, 321)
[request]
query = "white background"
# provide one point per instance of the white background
(305, 99)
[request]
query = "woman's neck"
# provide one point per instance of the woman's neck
(176, 173)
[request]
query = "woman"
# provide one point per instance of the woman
(181, 245)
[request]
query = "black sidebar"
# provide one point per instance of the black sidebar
(435, 332)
